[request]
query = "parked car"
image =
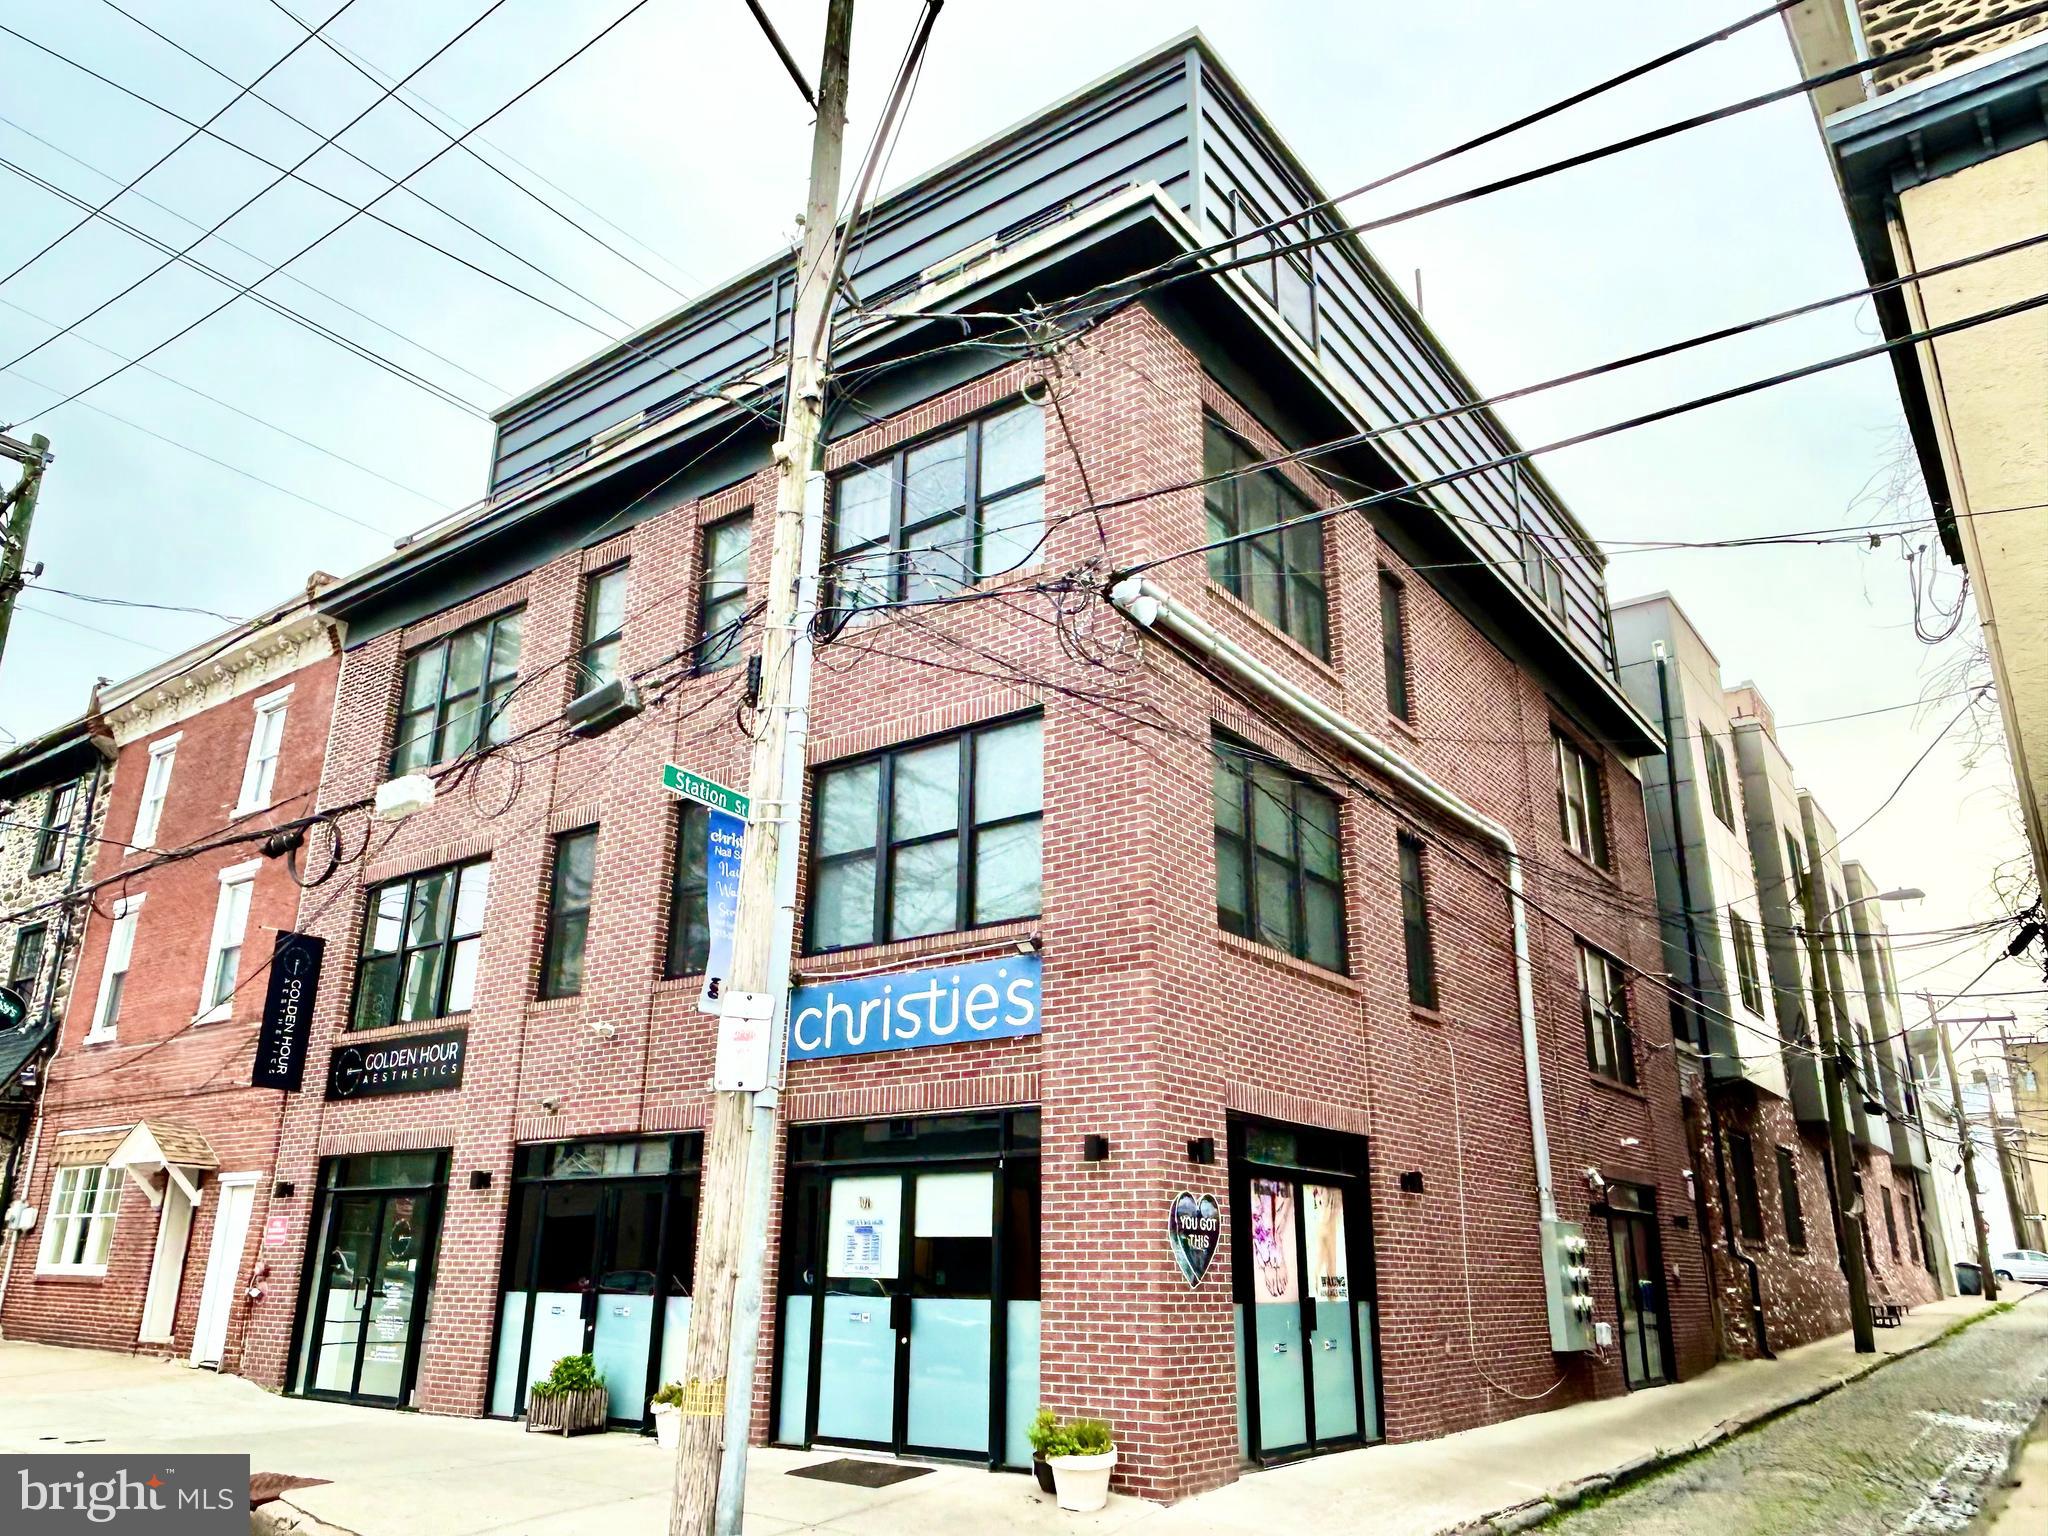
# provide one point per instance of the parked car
(2021, 1264)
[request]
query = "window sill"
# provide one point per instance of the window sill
(1604, 871)
(1405, 729)
(247, 810)
(97, 1037)
(1308, 970)
(1325, 665)
(692, 982)
(1616, 1085)
(401, 1028)
(568, 1002)
(835, 964)
(81, 1273)
(219, 1013)
(1424, 1015)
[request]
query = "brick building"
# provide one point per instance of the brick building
(152, 1160)
(1307, 877)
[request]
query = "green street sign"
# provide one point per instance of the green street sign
(694, 786)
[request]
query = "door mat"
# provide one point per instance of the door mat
(856, 1473)
(265, 1486)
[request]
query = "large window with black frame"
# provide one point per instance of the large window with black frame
(52, 835)
(422, 935)
(604, 625)
(575, 867)
(455, 692)
(25, 967)
(1419, 945)
(942, 513)
(1581, 808)
(1603, 1001)
(689, 897)
(1279, 573)
(1788, 1198)
(722, 590)
(1279, 856)
(931, 837)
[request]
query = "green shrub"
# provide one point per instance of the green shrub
(1078, 1437)
(572, 1373)
(1091, 1437)
(670, 1396)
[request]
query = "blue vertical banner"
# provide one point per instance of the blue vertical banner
(725, 838)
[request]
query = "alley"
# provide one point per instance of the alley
(1917, 1447)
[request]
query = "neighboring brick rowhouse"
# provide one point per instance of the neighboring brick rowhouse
(161, 1064)
(1157, 1025)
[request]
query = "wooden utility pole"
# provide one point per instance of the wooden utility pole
(20, 506)
(757, 986)
(1955, 1088)
(1848, 1193)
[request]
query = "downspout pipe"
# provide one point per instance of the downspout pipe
(1151, 608)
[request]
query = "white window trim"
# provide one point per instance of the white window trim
(167, 747)
(109, 1179)
(124, 907)
(211, 1012)
(273, 703)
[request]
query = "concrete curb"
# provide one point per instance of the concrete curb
(1516, 1518)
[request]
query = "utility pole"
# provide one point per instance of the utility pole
(19, 505)
(2026, 1229)
(2015, 1207)
(1955, 1089)
(1848, 1195)
(757, 986)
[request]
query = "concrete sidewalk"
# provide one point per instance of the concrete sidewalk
(392, 1473)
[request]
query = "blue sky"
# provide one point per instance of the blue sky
(684, 137)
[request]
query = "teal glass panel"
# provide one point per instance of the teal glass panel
(857, 1370)
(625, 1333)
(1283, 1388)
(505, 1365)
(557, 1331)
(675, 1339)
(1363, 1314)
(949, 1360)
(1244, 1427)
(1020, 1380)
(1334, 1371)
(796, 1370)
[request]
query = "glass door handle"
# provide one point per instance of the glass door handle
(1279, 1346)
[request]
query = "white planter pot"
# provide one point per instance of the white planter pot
(1082, 1481)
(668, 1425)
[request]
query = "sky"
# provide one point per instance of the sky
(678, 142)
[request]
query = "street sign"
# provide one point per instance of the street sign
(694, 786)
(745, 1051)
(12, 1008)
(724, 841)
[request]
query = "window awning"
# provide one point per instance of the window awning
(74, 1147)
(152, 1146)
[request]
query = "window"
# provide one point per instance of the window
(120, 948)
(1297, 297)
(722, 597)
(1788, 1196)
(1582, 817)
(266, 740)
(455, 691)
(1415, 925)
(1394, 643)
(25, 970)
(1795, 868)
(928, 838)
(1280, 574)
(80, 1228)
(1544, 575)
(561, 964)
(1610, 1043)
(1718, 792)
(1279, 868)
(50, 838)
(1891, 1222)
(604, 619)
(421, 935)
(1743, 937)
(689, 901)
(1749, 1210)
(941, 514)
(156, 788)
(224, 954)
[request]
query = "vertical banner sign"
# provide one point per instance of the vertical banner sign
(724, 839)
(288, 1011)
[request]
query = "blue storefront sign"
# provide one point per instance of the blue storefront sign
(725, 836)
(989, 1000)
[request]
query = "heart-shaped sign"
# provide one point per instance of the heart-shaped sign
(1192, 1226)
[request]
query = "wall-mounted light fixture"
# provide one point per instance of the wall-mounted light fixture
(282, 1189)
(479, 1178)
(1094, 1149)
(1411, 1182)
(1202, 1149)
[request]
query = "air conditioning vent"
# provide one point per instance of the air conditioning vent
(595, 712)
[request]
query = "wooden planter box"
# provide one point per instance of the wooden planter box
(574, 1413)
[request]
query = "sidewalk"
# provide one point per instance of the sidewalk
(396, 1473)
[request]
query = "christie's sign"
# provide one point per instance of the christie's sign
(990, 1000)
(415, 1064)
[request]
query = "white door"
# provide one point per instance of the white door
(166, 1266)
(223, 1267)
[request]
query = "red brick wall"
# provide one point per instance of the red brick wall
(1156, 1024)
(162, 1066)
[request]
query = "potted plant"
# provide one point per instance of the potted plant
(1081, 1455)
(570, 1400)
(668, 1415)
(1044, 1428)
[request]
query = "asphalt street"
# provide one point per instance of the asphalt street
(1916, 1447)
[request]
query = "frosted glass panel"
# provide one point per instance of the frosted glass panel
(557, 1331)
(1336, 1373)
(796, 1370)
(505, 1375)
(1373, 1428)
(1244, 1427)
(675, 1339)
(1282, 1387)
(949, 1356)
(955, 1204)
(625, 1332)
(857, 1370)
(1020, 1384)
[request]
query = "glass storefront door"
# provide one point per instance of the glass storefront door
(373, 1266)
(1302, 1279)
(1638, 1284)
(909, 1307)
(598, 1261)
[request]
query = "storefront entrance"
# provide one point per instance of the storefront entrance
(372, 1268)
(909, 1310)
(1639, 1284)
(599, 1255)
(1302, 1279)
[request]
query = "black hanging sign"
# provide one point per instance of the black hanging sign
(1191, 1229)
(413, 1064)
(288, 1011)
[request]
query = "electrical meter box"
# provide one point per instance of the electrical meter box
(1567, 1286)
